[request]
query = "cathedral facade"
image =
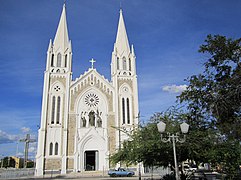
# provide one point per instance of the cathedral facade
(84, 121)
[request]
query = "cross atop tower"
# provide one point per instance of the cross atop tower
(92, 61)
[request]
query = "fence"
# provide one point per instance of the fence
(15, 173)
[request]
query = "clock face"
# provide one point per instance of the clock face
(92, 100)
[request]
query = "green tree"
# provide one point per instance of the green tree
(204, 143)
(213, 100)
(216, 92)
(145, 145)
(8, 162)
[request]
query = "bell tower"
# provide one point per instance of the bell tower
(124, 79)
(52, 135)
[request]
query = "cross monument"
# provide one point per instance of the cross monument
(27, 140)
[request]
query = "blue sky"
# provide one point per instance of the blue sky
(166, 36)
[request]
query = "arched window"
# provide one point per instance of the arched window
(59, 60)
(53, 110)
(118, 63)
(123, 111)
(56, 149)
(58, 110)
(129, 64)
(52, 60)
(65, 61)
(124, 63)
(128, 110)
(51, 149)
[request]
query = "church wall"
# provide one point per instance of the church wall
(53, 164)
(112, 133)
(71, 134)
(61, 78)
(70, 163)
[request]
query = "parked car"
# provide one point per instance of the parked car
(191, 168)
(120, 172)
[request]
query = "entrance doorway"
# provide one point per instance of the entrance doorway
(90, 160)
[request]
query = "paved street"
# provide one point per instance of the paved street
(74, 176)
(23, 174)
(84, 178)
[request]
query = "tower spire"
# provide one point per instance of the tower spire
(122, 43)
(61, 39)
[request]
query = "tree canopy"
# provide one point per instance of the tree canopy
(216, 93)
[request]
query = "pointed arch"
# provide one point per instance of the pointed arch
(84, 106)
(56, 149)
(123, 111)
(65, 60)
(53, 110)
(129, 64)
(128, 110)
(125, 92)
(51, 149)
(57, 95)
(59, 60)
(57, 88)
(52, 60)
(118, 63)
(124, 63)
(58, 110)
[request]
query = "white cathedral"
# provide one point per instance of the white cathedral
(83, 120)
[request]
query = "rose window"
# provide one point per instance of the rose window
(92, 100)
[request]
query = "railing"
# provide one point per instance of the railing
(15, 173)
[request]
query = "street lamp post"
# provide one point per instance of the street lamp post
(174, 138)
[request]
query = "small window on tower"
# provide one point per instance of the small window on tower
(128, 110)
(53, 110)
(58, 110)
(59, 60)
(118, 63)
(65, 61)
(129, 64)
(124, 63)
(56, 149)
(52, 60)
(123, 111)
(51, 149)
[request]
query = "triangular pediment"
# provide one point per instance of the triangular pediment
(93, 79)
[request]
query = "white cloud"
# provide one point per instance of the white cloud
(19, 154)
(32, 149)
(7, 138)
(25, 129)
(174, 88)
